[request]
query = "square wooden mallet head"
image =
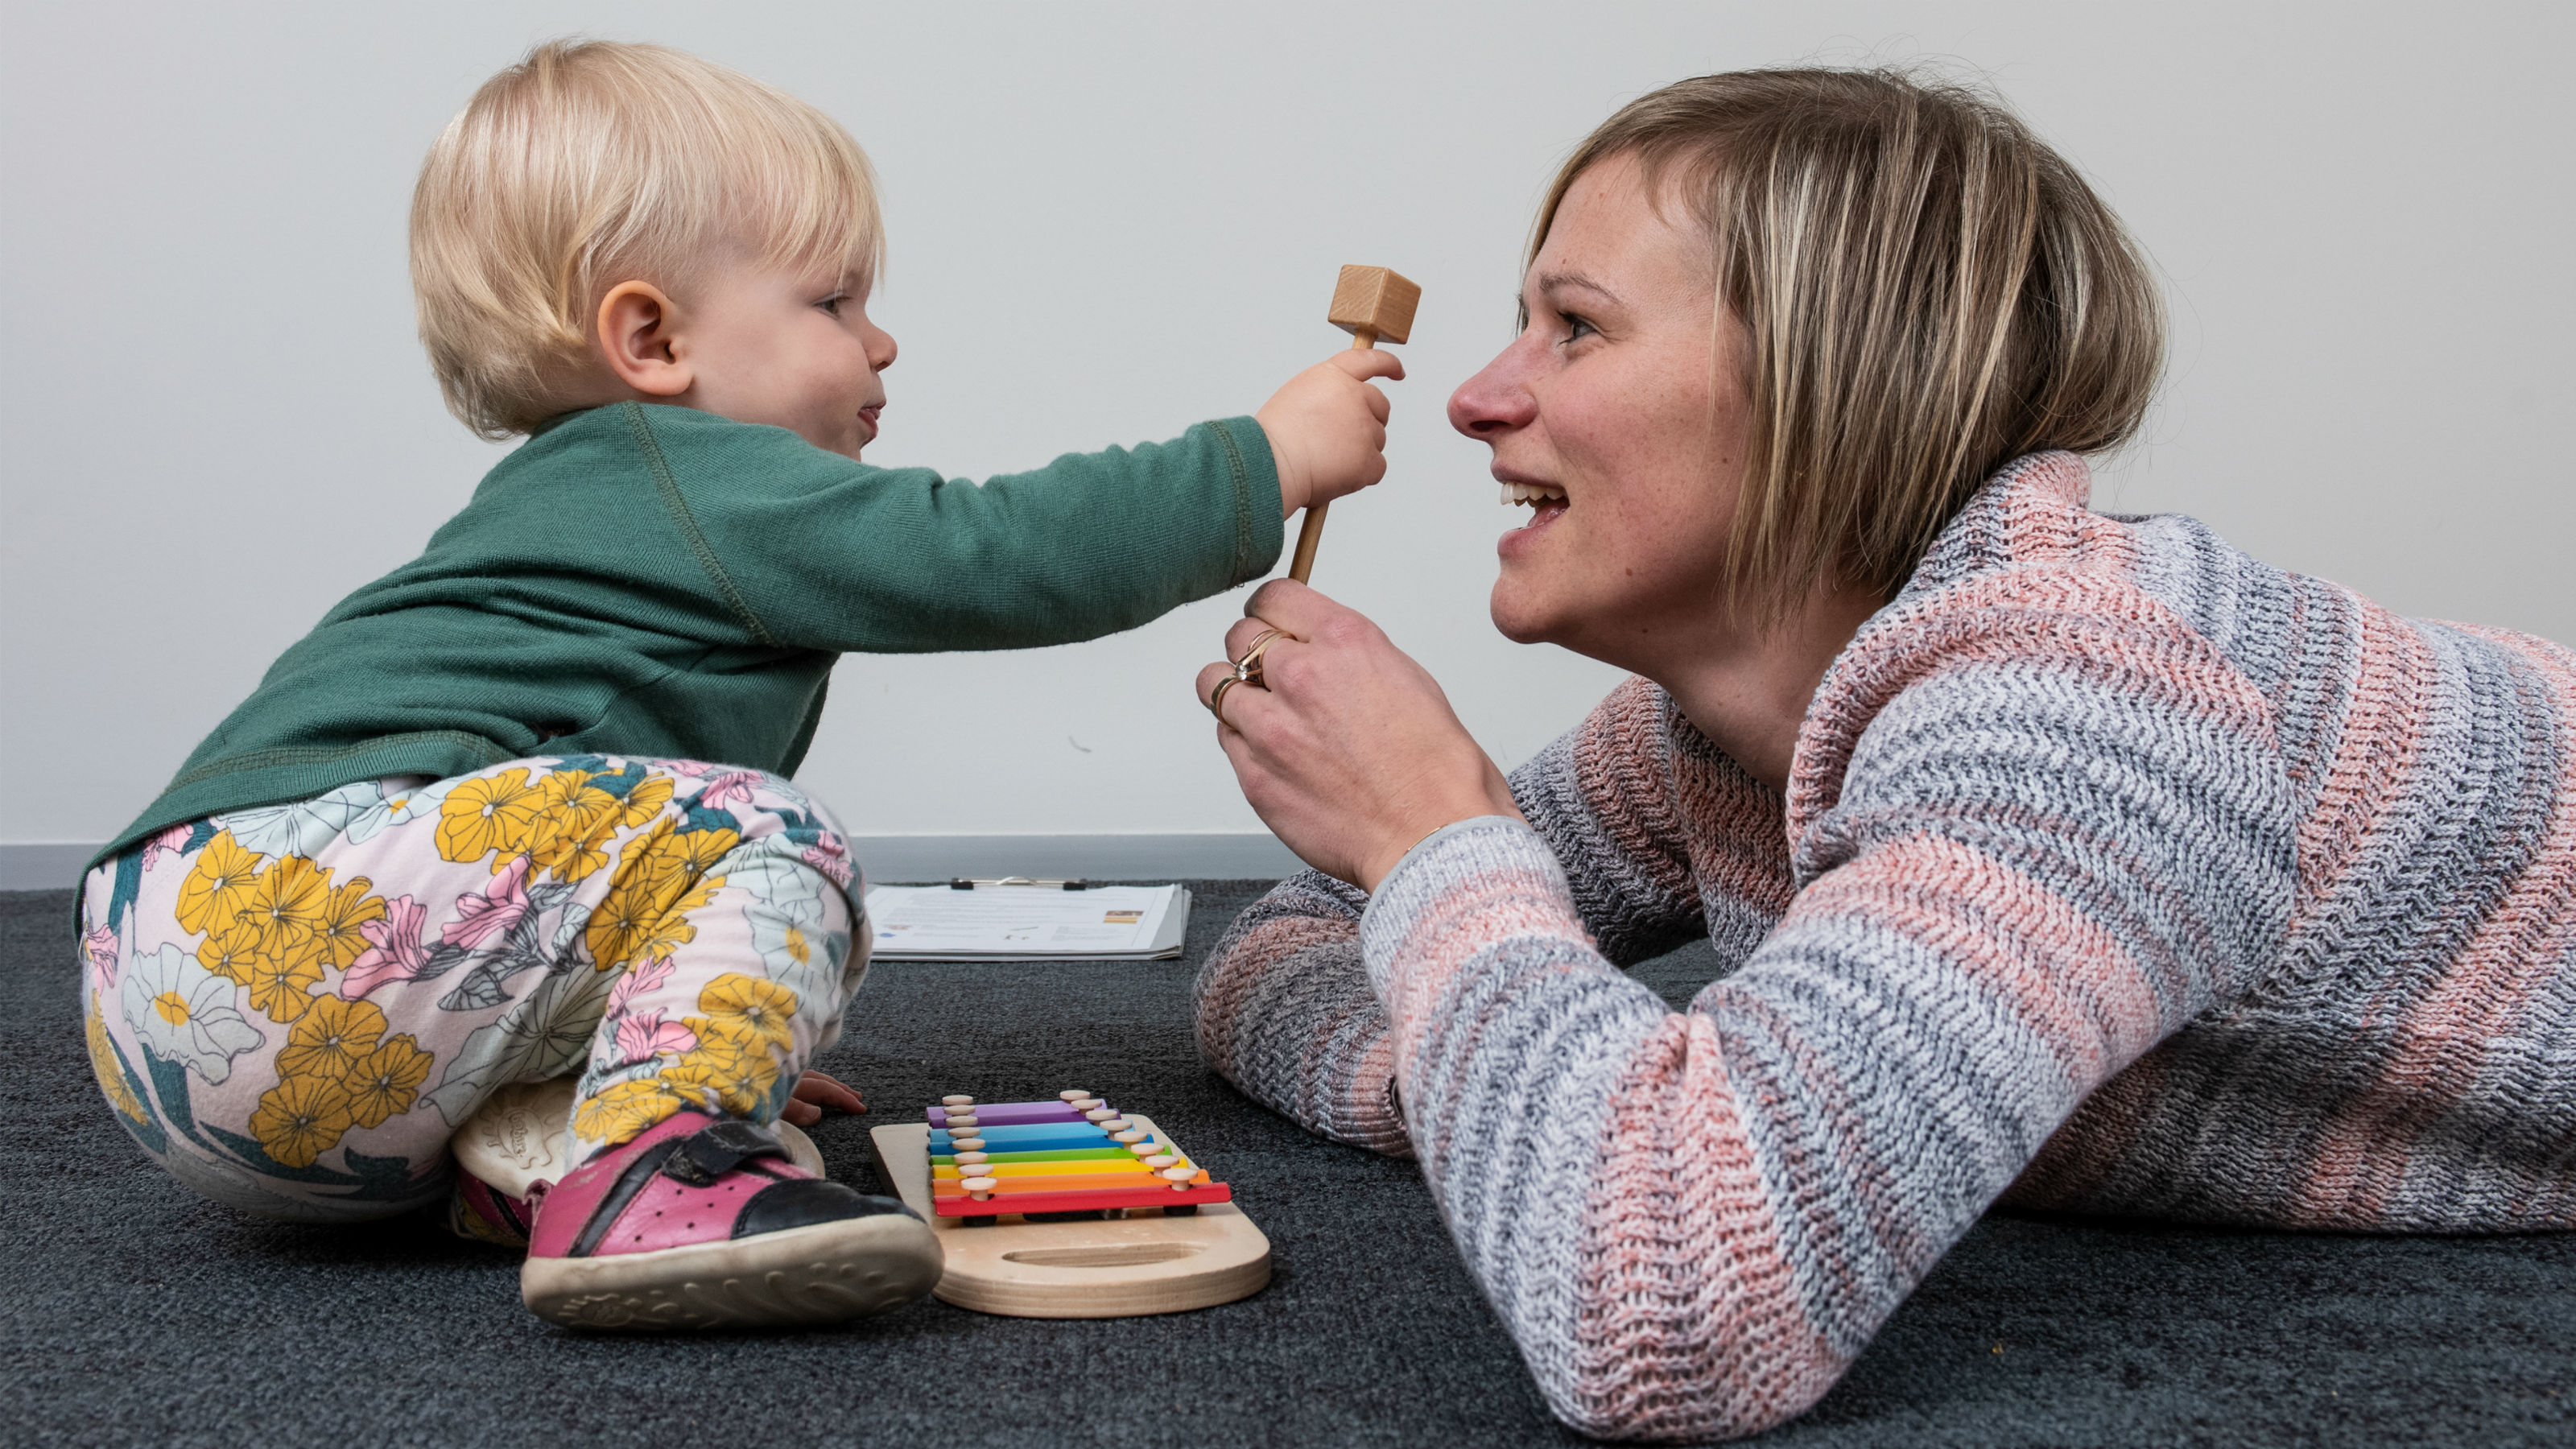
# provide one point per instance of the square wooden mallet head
(1373, 305)
(1370, 303)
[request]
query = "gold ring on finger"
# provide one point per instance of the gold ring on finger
(1216, 697)
(1248, 668)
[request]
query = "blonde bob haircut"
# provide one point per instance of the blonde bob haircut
(1927, 291)
(594, 163)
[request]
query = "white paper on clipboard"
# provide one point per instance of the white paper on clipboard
(1022, 923)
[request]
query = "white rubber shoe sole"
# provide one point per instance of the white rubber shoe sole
(827, 1273)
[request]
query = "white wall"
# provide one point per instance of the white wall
(1108, 222)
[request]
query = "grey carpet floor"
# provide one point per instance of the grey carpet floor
(139, 1314)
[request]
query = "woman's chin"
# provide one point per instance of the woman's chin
(1519, 606)
(1516, 616)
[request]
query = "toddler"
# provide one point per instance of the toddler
(519, 811)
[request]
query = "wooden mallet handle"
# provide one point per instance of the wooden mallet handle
(1369, 303)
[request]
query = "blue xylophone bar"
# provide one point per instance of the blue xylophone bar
(1031, 1139)
(1023, 1129)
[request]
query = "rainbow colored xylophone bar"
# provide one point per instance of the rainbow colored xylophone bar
(1076, 1154)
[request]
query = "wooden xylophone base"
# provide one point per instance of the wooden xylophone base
(1092, 1268)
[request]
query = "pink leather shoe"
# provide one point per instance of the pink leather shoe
(478, 1210)
(521, 1137)
(700, 1223)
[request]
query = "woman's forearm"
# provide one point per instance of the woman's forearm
(1284, 1011)
(1517, 1047)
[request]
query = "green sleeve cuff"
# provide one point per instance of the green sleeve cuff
(1260, 530)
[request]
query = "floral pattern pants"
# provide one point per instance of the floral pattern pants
(292, 1008)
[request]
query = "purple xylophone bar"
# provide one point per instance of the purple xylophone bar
(1008, 1114)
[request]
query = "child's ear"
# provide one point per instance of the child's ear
(639, 331)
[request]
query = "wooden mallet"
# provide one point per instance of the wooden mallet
(1373, 305)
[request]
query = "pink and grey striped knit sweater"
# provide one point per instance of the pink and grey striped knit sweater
(2117, 872)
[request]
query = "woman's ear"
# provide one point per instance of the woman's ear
(639, 331)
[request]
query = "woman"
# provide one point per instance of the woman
(2069, 859)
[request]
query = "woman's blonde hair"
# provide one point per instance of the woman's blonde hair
(592, 163)
(1928, 290)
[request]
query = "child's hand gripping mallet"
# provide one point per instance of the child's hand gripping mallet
(1372, 304)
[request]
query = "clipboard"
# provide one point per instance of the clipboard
(1018, 919)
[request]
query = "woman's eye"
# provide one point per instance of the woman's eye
(1577, 328)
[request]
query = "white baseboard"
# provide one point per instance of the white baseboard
(53, 867)
(49, 867)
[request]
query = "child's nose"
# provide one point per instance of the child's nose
(881, 349)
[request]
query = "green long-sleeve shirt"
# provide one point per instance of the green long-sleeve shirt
(665, 583)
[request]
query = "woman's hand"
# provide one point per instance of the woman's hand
(1327, 428)
(814, 1092)
(1346, 748)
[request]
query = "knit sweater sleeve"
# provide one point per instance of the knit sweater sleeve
(1284, 1009)
(2061, 831)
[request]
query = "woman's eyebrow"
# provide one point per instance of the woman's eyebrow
(1553, 282)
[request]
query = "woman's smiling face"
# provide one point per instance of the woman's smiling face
(1618, 411)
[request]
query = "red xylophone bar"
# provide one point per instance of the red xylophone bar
(962, 1206)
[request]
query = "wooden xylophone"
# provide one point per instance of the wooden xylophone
(1076, 1154)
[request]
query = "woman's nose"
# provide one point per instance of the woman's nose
(1496, 400)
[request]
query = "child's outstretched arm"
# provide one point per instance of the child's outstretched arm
(817, 551)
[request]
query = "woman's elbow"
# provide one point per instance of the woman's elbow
(1645, 1362)
(1658, 1404)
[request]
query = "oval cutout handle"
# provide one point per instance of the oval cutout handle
(1106, 1255)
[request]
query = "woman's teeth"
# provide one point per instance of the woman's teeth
(1532, 494)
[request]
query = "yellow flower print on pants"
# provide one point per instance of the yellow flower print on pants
(485, 814)
(729, 1060)
(294, 1020)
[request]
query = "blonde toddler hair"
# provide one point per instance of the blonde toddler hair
(593, 163)
(1928, 289)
